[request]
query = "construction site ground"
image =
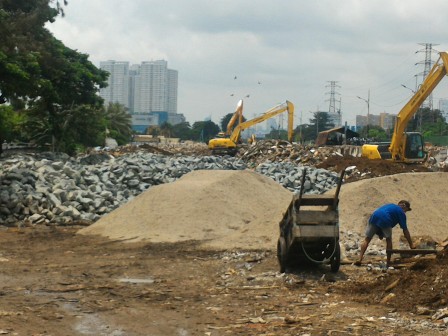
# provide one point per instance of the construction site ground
(57, 282)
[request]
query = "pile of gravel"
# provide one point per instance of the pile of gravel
(55, 188)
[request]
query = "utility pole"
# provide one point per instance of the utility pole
(368, 110)
(339, 111)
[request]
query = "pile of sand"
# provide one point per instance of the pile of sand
(242, 209)
(427, 193)
(223, 208)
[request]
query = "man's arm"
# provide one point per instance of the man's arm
(407, 235)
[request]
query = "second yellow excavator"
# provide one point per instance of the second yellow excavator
(228, 145)
(409, 146)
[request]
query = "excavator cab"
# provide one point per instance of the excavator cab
(414, 146)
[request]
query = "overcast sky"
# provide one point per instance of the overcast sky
(277, 50)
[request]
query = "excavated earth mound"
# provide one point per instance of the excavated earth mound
(423, 284)
(242, 209)
(369, 168)
(222, 209)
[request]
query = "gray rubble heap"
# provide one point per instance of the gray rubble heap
(55, 188)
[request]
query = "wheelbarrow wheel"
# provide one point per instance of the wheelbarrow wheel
(281, 254)
(335, 261)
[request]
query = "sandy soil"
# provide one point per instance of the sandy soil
(242, 209)
(222, 209)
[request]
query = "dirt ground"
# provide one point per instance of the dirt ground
(57, 282)
(370, 168)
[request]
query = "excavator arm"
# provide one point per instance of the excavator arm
(400, 141)
(228, 145)
(237, 115)
(286, 106)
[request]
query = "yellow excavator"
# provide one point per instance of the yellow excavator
(409, 146)
(229, 144)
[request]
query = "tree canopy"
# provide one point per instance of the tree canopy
(24, 39)
(118, 123)
(204, 130)
(55, 85)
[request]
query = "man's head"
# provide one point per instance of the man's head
(405, 205)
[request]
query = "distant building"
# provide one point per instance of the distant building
(176, 118)
(141, 121)
(387, 121)
(155, 88)
(117, 90)
(145, 89)
(361, 120)
(384, 120)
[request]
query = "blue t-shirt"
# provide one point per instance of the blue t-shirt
(389, 215)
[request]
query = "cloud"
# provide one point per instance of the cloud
(294, 48)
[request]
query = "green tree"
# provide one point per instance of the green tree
(166, 129)
(153, 130)
(66, 130)
(182, 131)
(440, 127)
(279, 134)
(118, 123)
(39, 72)
(308, 132)
(68, 80)
(24, 37)
(10, 124)
(204, 131)
(376, 133)
(320, 122)
(299, 135)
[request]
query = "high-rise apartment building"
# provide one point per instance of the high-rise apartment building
(117, 90)
(146, 88)
(133, 71)
(172, 91)
(155, 88)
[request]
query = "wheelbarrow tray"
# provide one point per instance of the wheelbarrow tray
(309, 229)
